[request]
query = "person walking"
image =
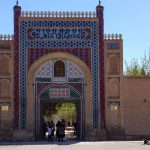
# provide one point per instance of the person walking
(57, 130)
(53, 128)
(62, 130)
(75, 128)
(49, 130)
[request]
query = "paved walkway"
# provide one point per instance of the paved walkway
(74, 145)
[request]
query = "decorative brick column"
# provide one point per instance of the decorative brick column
(99, 14)
(17, 13)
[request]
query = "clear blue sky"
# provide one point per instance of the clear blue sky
(131, 18)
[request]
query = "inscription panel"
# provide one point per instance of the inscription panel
(32, 39)
(59, 33)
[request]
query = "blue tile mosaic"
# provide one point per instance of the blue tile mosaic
(29, 43)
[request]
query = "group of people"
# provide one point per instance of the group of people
(49, 127)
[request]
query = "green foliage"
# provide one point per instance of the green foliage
(49, 110)
(57, 111)
(67, 111)
(138, 68)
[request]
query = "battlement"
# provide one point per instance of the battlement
(112, 36)
(6, 37)
(48, 14)
(106, 37)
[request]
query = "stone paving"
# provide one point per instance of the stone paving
(75, 145)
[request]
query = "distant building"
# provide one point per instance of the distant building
(66, 57)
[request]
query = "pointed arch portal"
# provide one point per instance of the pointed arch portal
(47, 88)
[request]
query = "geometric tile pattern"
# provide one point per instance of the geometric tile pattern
(78, 86)
(25, 44)
(17, 12)
(83, 53)
(101, 67)
(46, 70)
(59, 93)
(73, 70)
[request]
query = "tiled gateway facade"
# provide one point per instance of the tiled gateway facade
(110, 106)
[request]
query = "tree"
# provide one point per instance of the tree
(138, 68)
(49, 110)
(67, 111)
(145, 61)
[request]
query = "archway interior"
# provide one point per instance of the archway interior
(59, 83)
(62, 110)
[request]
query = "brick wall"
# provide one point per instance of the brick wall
(136, 96)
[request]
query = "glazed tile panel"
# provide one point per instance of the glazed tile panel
(85, 29)
(83, 53)
(16, 70)
(46, 70)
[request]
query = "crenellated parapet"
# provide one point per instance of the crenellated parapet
(53, 14)
(6, 37)
(112, 36)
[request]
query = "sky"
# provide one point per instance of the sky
(131, 18)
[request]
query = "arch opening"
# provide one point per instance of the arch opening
(77, 79)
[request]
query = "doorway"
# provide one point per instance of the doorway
(58, 110)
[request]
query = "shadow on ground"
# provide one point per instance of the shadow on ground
(65, 142)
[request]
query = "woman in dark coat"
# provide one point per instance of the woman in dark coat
(57, 130)
(62, 130)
